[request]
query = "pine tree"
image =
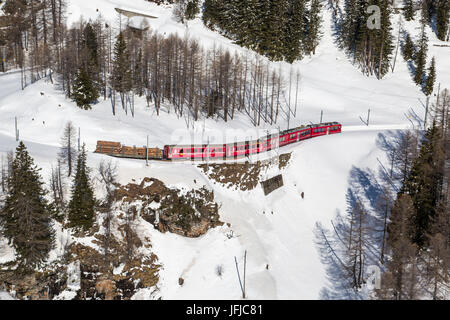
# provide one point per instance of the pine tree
(424, 184)
(408, 10)
(294, 31)
(313, 29)
(271, 20)
(192, 9)
(138, 75)
(250, 23)
(383, 40)
(274, 28)
(84, 92)
(431, 78)
(442, 19)
(210, 14)
(81, 206)
(427, 10)
(352, 20)
(408, 48)
(25, 218)
(370, 47)
(91, 44)
(121, 76)
(421, 56)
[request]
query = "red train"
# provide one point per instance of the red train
(219, 151)
(242, 149)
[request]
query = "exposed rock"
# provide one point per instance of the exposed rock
(244, 176)
(191, 214)
(106, 287)
(98, 280)
(43, 285)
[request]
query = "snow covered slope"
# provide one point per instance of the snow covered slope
(320, 168)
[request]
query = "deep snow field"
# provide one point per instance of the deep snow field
(320, 167)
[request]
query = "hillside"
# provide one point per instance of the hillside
(276, 231)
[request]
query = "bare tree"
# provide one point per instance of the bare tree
(401, 278)
(67, 154)
(108, 177)
(57, 187)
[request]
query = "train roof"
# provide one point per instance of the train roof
(325, 124)
(310, 126)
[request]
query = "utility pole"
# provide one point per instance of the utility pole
(245, 267)
(278, 147)
(239, 275)
(426, 113)
(146, 153)
(368, 117)
(16, 129)
(321, 116)
(79, 139)
(3, 61)
(439, 91)
(207, 155)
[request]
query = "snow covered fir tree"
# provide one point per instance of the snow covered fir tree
(224, 149)
(25, 216)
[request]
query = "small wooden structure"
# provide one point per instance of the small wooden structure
(272, 184)
(131, 14)
(137, 22)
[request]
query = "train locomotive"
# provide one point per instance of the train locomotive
(219, 151)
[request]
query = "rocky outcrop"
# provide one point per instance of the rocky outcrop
(244, 176)
(43, 285)
(190, 214)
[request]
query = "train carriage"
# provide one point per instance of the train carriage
(220, 151)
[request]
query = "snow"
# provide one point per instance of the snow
(320, 167)
(5, 296)
(7, 253)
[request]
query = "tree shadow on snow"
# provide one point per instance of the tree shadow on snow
(368, 191)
